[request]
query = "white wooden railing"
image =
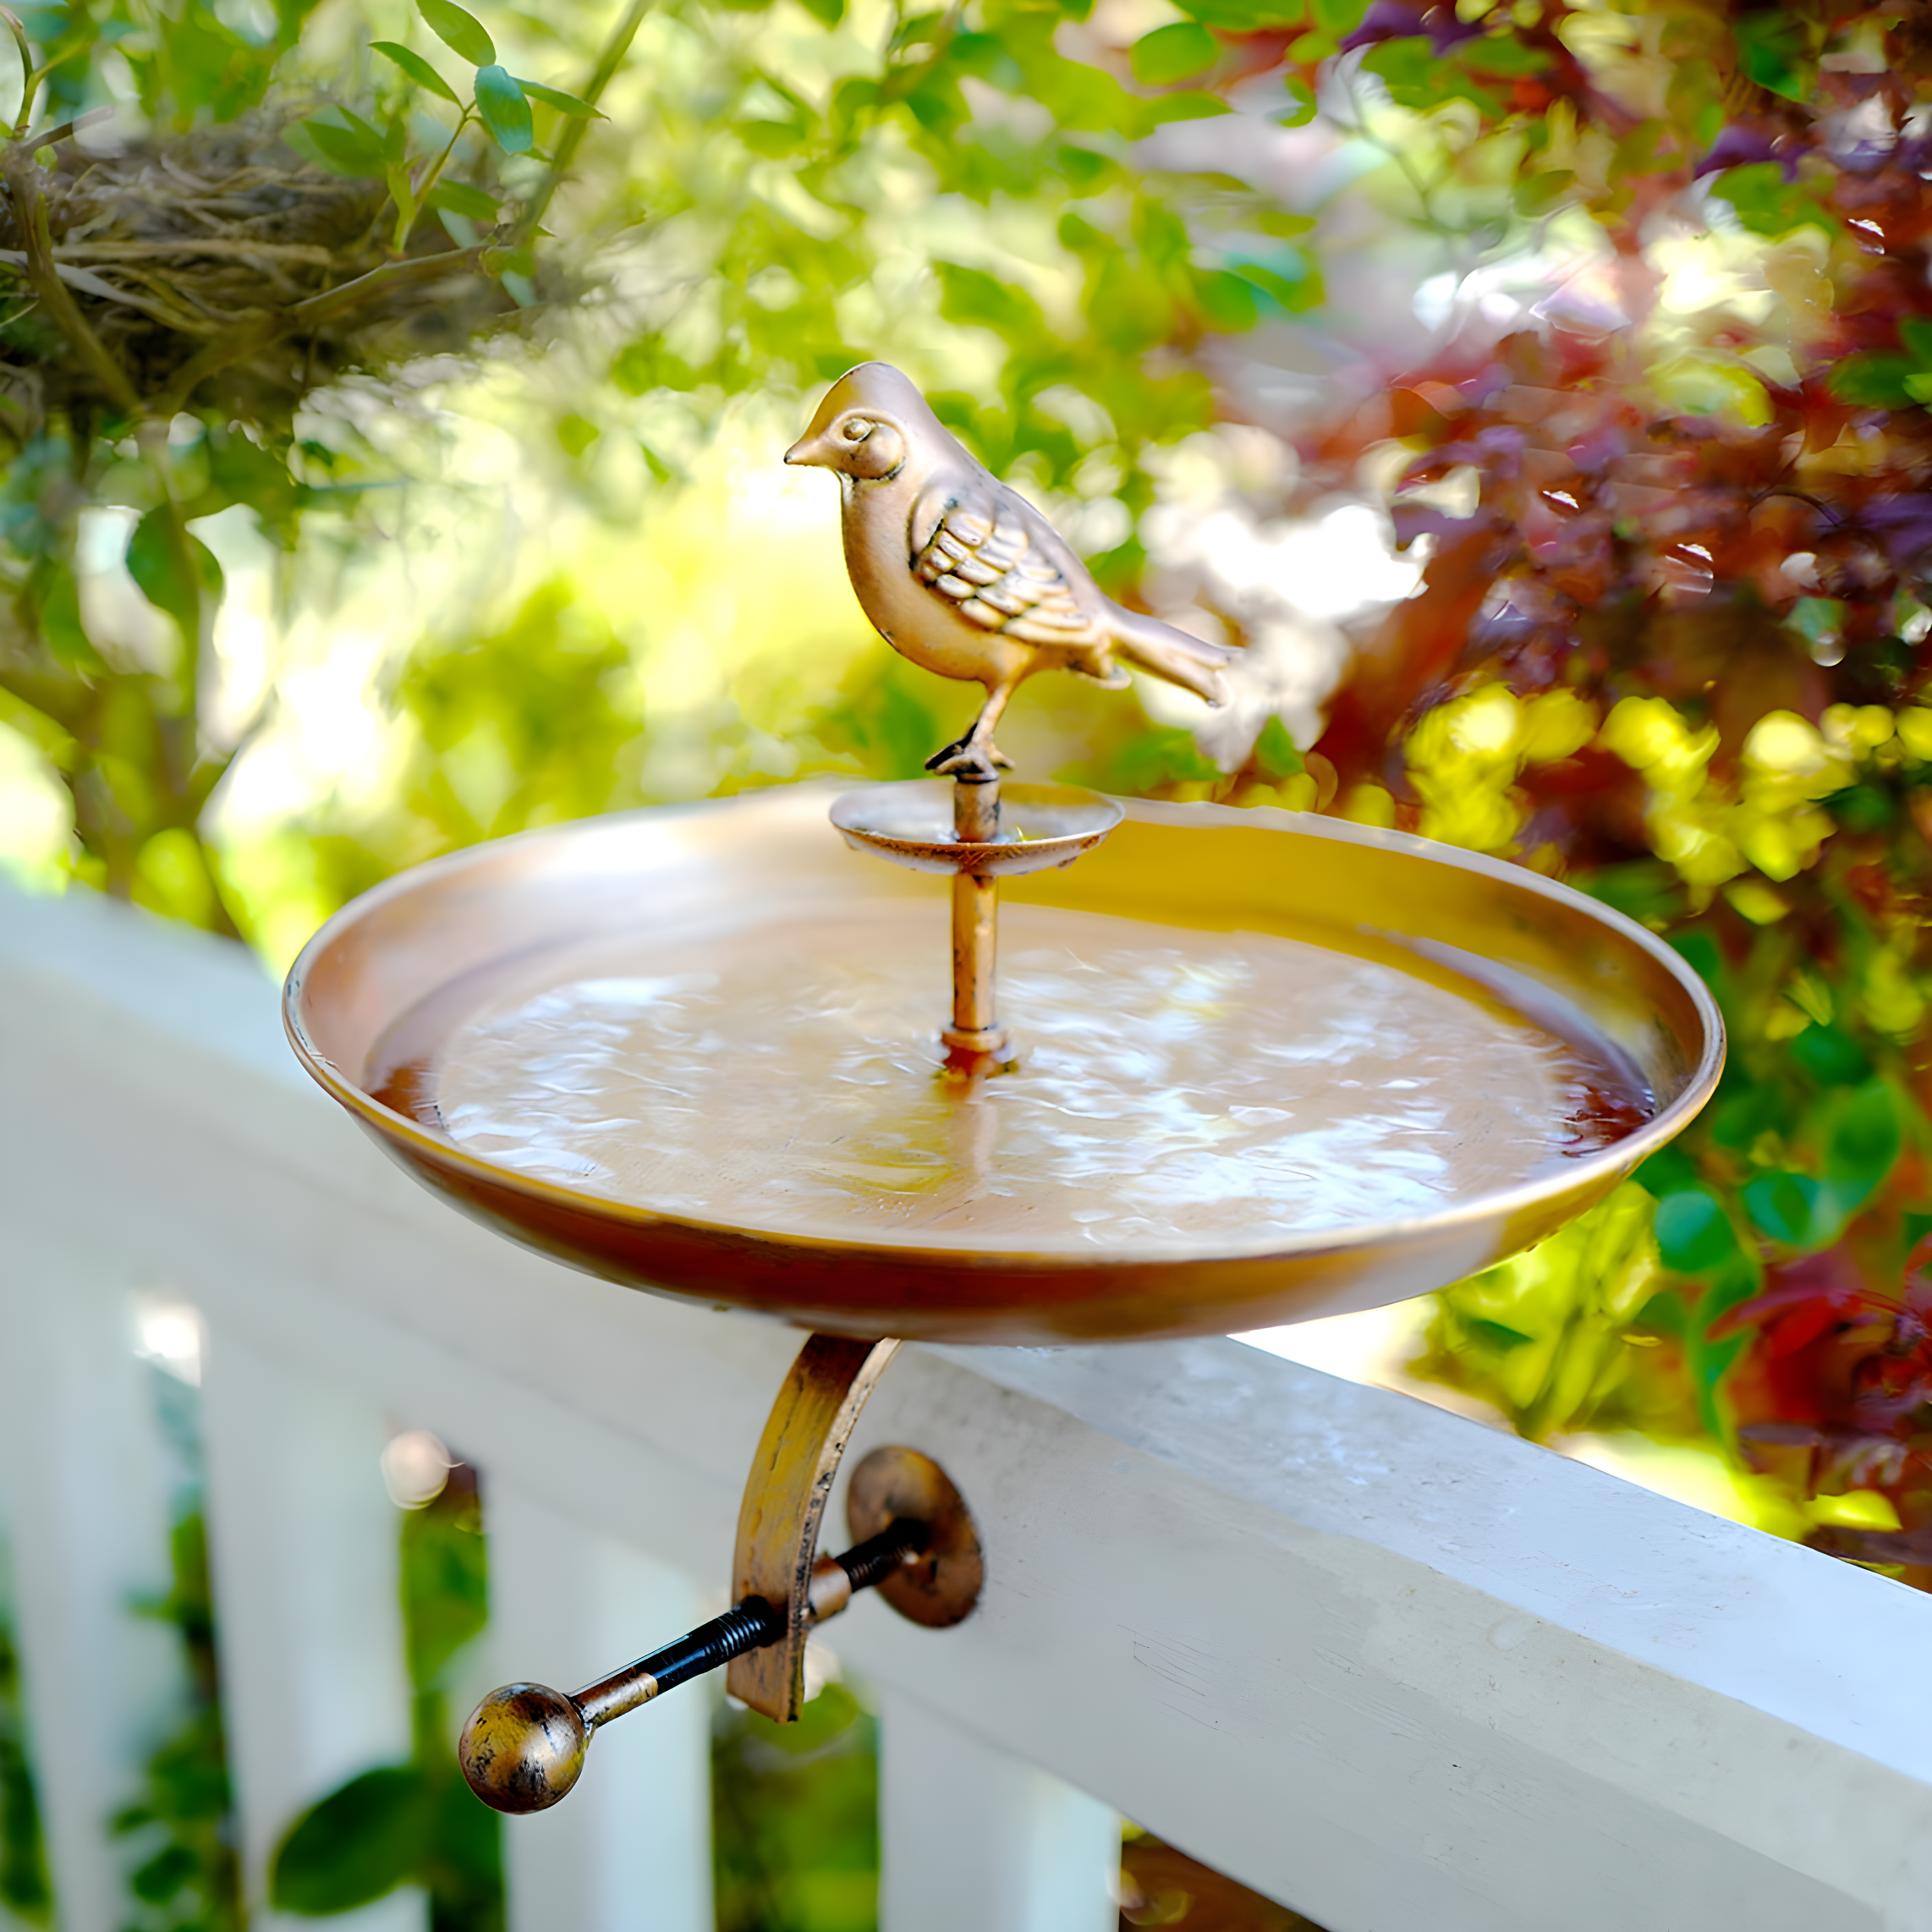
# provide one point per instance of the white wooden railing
(1401, 1672)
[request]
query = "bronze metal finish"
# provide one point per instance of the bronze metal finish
(785, 1497)
(961, 574)
(525, 1746)
(412, 949)
(922, 825)
(940, 1584)
(975, 1037)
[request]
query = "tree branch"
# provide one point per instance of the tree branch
(572, 137)
(30, 215)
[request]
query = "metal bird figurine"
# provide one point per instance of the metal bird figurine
(961, 575)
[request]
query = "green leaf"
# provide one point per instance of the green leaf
(1540, 195)
(60, 625)
(1247, 16)
(1494, 1334)
(50, 739)
(1226, 300)
(461, 32)
(1830, 1056)
(404, 195)
(1339, 17)
(1793, 1209)
(151, 563)
(971, 296)
(1669, 1170)
(986, 57)
(1768, 205)
(1865, 1143)
(1502, 54)
(357, 125)
(1193, 105)
(1915, 331)
(1872, 381)
(1817, 619)
(556, 98)
(773, 140)
(576, 433)
(1693, 1233)
(1172, 53)
(461, 198)
(1158, 757)
(505, 112)
(1408, 63)
(1774, 50)
(241, 471)
(418, 69)
(1276, 754)
(1303, 110)
(1416, 79)
(1297, 292)
(826, 13)
(357, 1844)
(346, 150)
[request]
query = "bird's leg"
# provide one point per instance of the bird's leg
(976, 751)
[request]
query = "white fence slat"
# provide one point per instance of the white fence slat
(1395, 1669)
(81, 1471)
(302, 1548)
(630, 1849)
(973, 1839)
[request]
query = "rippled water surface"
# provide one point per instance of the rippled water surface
(1172, 1086)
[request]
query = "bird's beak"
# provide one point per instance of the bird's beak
(806, 450)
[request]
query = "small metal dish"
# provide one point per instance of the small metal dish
(911, 824)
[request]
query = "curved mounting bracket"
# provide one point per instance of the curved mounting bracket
(785, 1495)
(524, 1747)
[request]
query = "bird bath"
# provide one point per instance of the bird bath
(1249, 1067)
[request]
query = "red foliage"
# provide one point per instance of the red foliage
(1835, 1393)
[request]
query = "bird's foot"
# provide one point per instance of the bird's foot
(964, 759)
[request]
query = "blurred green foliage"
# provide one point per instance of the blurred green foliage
(1671, 642)
(794, 1818)
(416, 1823)
(25, 1888)
(186, 1877)
(160, 385)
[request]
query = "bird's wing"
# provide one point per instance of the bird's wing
(992, 554)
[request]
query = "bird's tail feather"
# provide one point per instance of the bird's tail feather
(1191, 663)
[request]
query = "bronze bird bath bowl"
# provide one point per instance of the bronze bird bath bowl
(1263, 1066)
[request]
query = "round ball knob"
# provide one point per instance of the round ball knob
(524, 1747)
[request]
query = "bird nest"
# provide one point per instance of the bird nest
(221, 267)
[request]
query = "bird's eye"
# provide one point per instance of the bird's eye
(857, 430)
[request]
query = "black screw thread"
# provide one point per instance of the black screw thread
(755, 1622)
(878, 1557)
(751, 1627)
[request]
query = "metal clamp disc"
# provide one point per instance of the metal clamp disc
(944, 1584)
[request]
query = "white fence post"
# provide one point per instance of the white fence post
(629, 1851)
(973, 1839)
(302, 1546)
(81, 1469)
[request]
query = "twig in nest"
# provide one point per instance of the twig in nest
(309, 252)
